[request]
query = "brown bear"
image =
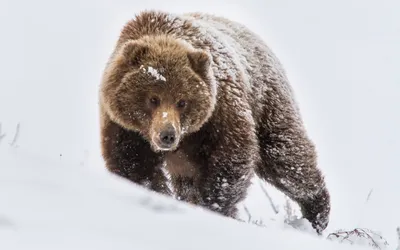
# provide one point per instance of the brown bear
(204, 99)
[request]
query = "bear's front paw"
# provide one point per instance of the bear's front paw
(317, 211)
(215, 205)
(319, 222)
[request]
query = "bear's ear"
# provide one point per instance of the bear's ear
(135, 51)
(200, 62)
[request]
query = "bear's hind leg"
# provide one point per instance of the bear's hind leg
(288, 161)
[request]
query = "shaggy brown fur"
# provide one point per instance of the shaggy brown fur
(207, 98)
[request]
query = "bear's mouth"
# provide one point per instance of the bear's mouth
(166, 140)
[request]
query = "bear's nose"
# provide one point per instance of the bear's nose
(167, 136)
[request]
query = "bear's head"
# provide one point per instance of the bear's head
(160, 87)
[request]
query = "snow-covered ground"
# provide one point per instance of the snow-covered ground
(342, 58)
(46, 204)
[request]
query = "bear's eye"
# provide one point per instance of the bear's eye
(154, 101)
(181, 104)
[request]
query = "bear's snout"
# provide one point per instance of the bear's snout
(168, 136)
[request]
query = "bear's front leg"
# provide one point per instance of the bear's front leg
(128, 155)
(231, 151)
(186, 189)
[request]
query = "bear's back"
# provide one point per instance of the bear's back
(264, 72)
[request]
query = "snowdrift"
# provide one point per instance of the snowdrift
(50, 205)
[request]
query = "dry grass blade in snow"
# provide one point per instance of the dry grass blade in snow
(16, 135)
(360, 236)
(14, 141)
(398, 238)
(1, 134)
(250, 218)
(273, 206)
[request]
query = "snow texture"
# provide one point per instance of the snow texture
(52, 205)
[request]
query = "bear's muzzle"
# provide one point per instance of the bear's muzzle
(165, 130)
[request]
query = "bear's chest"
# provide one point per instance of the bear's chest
(179, 163)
